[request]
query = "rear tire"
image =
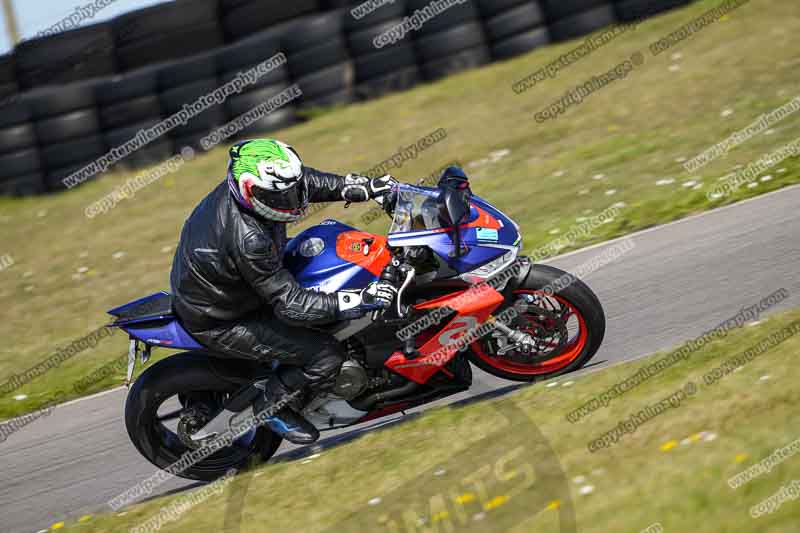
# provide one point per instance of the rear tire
(181, 374)
(586, 305)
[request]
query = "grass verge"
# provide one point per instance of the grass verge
(614, 148)
(483, 468)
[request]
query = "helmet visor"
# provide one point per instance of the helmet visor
(289, 200)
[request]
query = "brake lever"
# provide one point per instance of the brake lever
(411, 272)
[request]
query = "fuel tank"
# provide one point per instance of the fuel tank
(332, 256)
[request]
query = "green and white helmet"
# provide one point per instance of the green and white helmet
(266, 176)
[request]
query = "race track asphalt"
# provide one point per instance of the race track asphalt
(678, 281)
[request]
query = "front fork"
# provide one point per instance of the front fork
(517, 340)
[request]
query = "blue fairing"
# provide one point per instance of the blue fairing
(152, 321)
(326, 272)
(170, 335)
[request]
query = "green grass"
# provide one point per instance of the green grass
(673, 470)
(632, 132)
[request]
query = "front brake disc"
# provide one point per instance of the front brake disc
(548, 326)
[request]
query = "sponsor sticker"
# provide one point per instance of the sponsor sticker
(487, 234)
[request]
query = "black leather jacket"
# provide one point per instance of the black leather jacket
(229, 263)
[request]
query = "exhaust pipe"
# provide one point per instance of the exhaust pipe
(367, 403)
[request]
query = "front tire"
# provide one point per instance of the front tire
(576, 300)
(185, 376)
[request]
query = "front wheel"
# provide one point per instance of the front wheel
(561, 314)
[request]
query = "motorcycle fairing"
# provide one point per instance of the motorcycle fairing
(369, 251)
(345, 262)
(169, 335)
(153, 307)
(152, 321)
(435, 353)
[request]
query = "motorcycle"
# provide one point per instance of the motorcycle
(465, 295)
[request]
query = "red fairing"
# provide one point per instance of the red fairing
(473, 307)
(352, 246)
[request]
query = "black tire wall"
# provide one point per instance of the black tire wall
(66, 99)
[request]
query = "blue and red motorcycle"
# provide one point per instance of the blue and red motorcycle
(459, 276)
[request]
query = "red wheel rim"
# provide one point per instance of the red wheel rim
(559, 361)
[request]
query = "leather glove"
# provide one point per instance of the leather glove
(381, 187)
(361, 188)
(357, 303)
(381, 293)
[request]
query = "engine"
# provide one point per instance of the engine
(352, 380)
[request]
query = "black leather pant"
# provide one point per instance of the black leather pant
(310, 359)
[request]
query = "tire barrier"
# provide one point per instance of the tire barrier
(20, 162)
(319, 59)
(514, 27)
(452, 41)
(356, 20)
(172, 30)
(582, 23)
(68, 98)
(456, 15)
(80, 123)
(521, 44)
(180, 83)
(17, 137)
(567, 19)
(244, 55)
(67, 127)
(21, 173)
(491, 8)
(245, 17)
(630, 10)
(451, 51)
(8, 78)
(128, 103)
(516, 20)
(330, 86)
(176, 45)
(561, 9)
(142, 24)
(385, 70)
(174, 100)
(130, 111)
(155, 152)
(281, 118)
(79, 54)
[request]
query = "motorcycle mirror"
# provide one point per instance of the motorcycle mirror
(455, 196)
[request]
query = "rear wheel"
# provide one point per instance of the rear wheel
(173, 399)
(567, 326)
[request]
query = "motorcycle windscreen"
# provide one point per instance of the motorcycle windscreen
(419, 209)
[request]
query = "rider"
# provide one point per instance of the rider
(233, 294)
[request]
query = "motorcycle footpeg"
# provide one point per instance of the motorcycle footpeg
(245, 397)
(240, 403)
(219, 425)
